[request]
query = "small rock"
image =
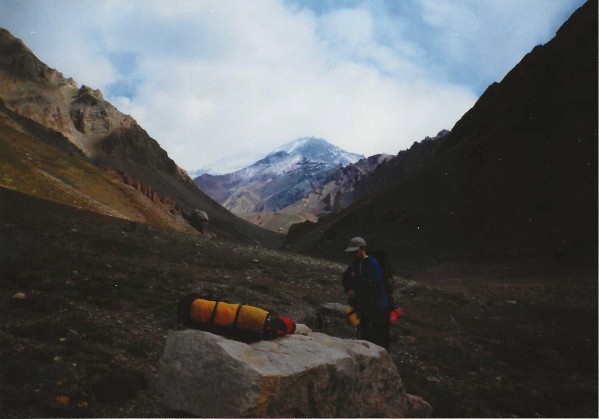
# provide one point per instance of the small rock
(120, 358)
(19, 296)
(418, 407)
(302, 329)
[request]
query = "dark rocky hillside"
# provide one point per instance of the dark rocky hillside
(404, 163)
(515, 179)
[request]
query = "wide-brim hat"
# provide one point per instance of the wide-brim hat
(355, 243)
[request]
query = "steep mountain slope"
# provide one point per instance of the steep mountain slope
(41, 162)
(516, 178)
(280, 179)
(404, 163)
(107, 138)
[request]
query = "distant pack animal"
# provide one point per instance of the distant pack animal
(238, 321)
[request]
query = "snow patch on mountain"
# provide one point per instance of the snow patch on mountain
(280, 178)
(319, 150)
(311, 148)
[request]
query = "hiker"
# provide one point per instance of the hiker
(363, 284)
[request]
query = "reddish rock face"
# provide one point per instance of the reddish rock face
(144, 188)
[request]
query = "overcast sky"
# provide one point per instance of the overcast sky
(225, 82)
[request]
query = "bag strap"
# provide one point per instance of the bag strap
(234, 325)
(214, 312)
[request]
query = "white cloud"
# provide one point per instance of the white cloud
(211, 80)
(487, 38)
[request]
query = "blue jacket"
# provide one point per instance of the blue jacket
(367, 283)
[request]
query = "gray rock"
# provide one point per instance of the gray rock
(199, 220)
(418, 407)
(317, 375)
(331, 319)
(334, 308)
(200, 215)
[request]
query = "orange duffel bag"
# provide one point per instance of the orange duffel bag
(219, 316)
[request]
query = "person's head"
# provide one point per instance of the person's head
(357, 247)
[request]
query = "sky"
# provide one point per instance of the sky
(219, 84)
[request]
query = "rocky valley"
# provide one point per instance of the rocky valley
(491, 229)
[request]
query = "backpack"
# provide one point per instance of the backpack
(381, 257)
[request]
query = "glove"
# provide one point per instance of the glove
(395, 315)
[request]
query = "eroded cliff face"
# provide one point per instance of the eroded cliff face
(108, 137)
(36, 91)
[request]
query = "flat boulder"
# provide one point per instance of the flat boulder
(317, 375)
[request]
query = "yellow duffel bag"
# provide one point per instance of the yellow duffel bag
(234, 316)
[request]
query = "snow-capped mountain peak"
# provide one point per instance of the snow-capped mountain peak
(279, 179)
(318, 150)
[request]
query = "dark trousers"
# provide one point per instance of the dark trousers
(374, 327)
